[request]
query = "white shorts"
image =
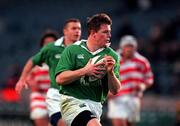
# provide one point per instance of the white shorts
(71, 107)
(38, 106)
(38, 113)
(53, 101)
(124, 107)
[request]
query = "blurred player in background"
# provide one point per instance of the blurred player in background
(81, 97)
(136, 76)
(39, 82)
(50, 54)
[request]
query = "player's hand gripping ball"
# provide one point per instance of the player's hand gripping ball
(95, 60)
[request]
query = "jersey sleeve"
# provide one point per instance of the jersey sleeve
(148, 75)
(39, 58)
(117, 67)
(117, 64)
(66, 61)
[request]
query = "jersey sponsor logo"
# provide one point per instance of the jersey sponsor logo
(93, 116)
(57, 56)
(82, 105)
(84, 81)
(80, 56)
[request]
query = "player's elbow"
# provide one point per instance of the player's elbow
(115, 90)
(59, 80)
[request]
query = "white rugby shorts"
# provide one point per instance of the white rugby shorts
(53, 101)
(124, 107)
(71, 107)
(38, 106)
(38, 113)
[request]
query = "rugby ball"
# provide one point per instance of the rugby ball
(95, 60)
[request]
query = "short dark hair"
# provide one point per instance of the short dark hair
(69, 21)
(96, 21)
(47, 34)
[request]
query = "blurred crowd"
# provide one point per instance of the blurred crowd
(163, 49)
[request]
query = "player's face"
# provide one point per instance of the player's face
(48, 40)
(128, 51)
(103, 35)
(73, 31)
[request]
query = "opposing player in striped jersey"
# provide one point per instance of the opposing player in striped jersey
(136, 76)
(50, 54)
(82, 97)
(39, 82)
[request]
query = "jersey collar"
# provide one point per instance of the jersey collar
(59, 42)
(84, 45)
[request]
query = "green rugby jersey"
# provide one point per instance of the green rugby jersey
(77, 56)
(50, 54)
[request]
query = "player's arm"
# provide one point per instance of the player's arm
(37, 59)
(25, 73)
(148, 76)
(31, 79)
(69, 76)
(113, 82)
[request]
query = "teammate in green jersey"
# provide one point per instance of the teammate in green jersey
(81, 96)
(50, 54)
(39, 83)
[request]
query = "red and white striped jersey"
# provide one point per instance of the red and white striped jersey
(134, 72)
(40, 83)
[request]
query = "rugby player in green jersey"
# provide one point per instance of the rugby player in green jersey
(50, 54)
(82, 96)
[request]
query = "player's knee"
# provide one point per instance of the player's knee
(55, 118)
(83, 118)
